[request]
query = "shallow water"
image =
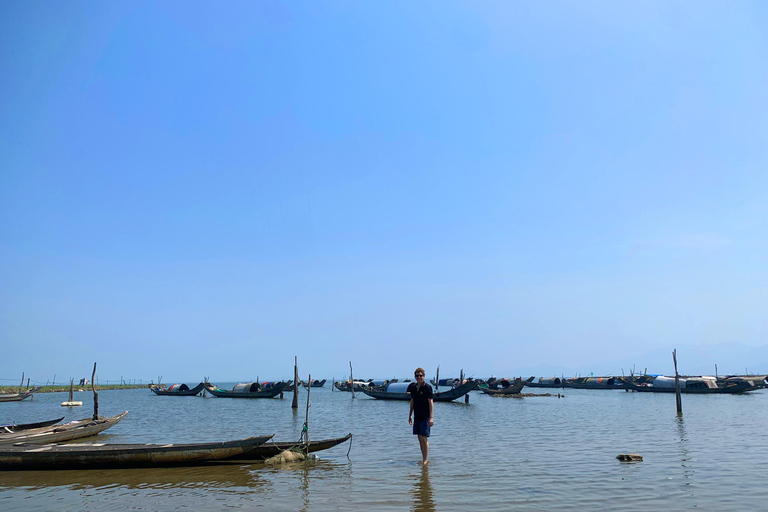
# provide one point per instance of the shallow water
(533, 453)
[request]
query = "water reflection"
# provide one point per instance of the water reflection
(423, 496)
(685, 455)
(212, 477)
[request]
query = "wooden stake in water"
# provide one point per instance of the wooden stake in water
(21, 386)
(437, 379)
(305, 430)
(351, 379)
(678, 398)
(295, 403)
(95, 395)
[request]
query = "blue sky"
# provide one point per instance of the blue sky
(191, 188)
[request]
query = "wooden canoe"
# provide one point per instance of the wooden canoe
(514, 388)
(178, 390)
(271, 449)
(59, 433)
(103, 456)
(695, 387)
(269, 392)
(445, 396)
(15, 397)
(10, 428)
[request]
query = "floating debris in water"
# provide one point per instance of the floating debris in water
(629, 457)
(286, 456)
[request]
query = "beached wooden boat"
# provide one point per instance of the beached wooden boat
(177, 390)
(59, 433)
(400, 394)
(102, 456)
(271, 449)
(513, 387)
(248, 390)
(10, 427)
(692, 385)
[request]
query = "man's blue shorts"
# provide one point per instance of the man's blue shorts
(421, 428)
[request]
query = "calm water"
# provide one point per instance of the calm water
(537, 453)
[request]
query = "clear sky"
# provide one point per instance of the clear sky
(508, 187)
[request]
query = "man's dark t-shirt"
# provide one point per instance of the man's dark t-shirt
(420, 397)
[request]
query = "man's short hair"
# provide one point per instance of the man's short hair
(419, 370)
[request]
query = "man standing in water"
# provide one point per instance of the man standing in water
(421, 408)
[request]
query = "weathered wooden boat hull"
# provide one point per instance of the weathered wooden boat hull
(731, 390)
(15, 397)
(60, 433)
(267, 393)
(28, 426)
(514, 389)
(105, 456)
(268, 450)
(445, 396)
(191, 392)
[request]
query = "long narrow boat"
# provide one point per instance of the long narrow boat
(10, 427)
(59, 433)
(15, 397)
(514, 388)
(177, 390)
(692, 385)
(248, 390)
(103, 456)
(445, 396)
(553, 382)
(268, 450)
(315, 383)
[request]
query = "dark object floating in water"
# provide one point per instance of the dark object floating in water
(629, 457)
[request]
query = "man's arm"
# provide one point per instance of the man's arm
(431, 417)
(410, 413)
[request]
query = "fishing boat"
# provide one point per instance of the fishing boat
(16, 397)
(248, 390)
(59, 433)
(692, 385)
(397, 391)
(177, 390)
(542, 382)
(271, 449)
(593, 383)
(104, 456)
(11, 427)
(315, 383)
(359, 385)
(506, 387)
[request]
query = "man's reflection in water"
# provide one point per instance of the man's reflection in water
(423, 499)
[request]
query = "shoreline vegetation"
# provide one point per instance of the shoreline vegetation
(65, 389)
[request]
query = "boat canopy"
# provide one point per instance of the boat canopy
(555, 381)
(398, 387)
(246, 387)
(179, 387)
(600, 381)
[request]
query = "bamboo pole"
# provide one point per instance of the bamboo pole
(295, 403)
(95, 395)
(352, 379)
(21, 386)
(437, 379)
(678, 398)
(305, 430)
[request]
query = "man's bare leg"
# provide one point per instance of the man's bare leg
(424, 445)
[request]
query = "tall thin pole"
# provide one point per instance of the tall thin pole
(305, 430)
(21, 386)
(352, 379)
(95, 395)
(437, 379)
(295, 403)
(678, 398)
